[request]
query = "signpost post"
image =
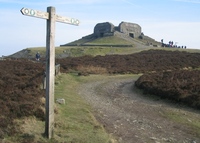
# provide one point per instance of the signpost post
(51, 17)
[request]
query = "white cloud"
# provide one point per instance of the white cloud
(189, 1)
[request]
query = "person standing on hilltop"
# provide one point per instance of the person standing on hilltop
(37, 56)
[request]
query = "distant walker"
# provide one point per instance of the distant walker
(37, 56)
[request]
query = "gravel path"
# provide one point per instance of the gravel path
(132, 117)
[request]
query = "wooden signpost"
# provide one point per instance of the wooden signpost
(51, 17)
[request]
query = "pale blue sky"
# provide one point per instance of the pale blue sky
(171, 20)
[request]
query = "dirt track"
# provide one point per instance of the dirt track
(132, 117)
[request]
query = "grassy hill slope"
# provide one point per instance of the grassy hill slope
(100, 46)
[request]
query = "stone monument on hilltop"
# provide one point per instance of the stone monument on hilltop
(125, 30)
(104, 29)
(108, 29)
(131, 29)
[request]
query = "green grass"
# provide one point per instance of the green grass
(77, 51)
(110, 40)
(110, 48)
(94, 51)
(32, 51)
(75, 121)
(86, 50)
(191, 125)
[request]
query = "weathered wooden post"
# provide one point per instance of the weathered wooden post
(50, 72)
(51, 17)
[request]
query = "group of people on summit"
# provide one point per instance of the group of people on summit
(172, 45)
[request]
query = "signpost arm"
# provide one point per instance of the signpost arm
(50, 72)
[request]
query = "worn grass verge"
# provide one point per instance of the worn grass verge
(191, 125)
(74, 121)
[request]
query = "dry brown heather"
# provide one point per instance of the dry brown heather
(180, 86)
(169, 74)
(20, 93)
(143, 62)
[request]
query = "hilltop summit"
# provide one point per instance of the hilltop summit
(130, 32)
(105, 34)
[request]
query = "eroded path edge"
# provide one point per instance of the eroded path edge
(131, 116)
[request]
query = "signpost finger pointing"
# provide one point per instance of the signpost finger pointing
(34, 13)
(45, 15)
